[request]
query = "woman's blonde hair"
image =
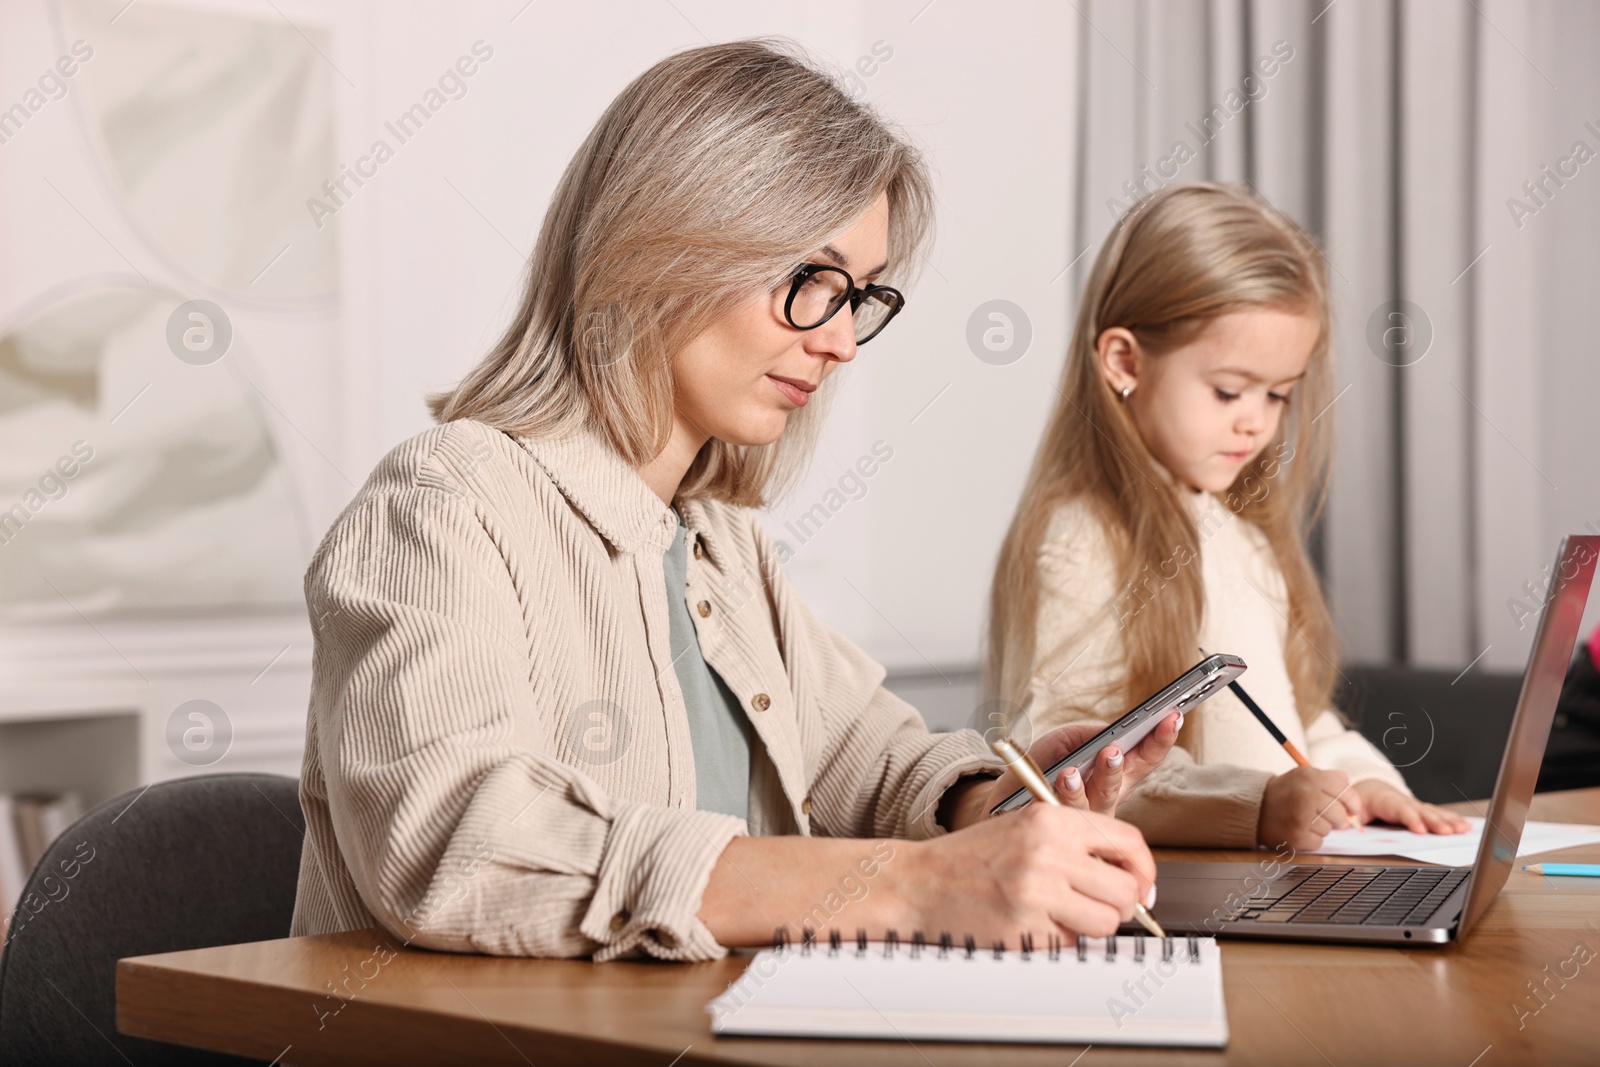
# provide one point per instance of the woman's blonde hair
(710, 177)
(1177, 260)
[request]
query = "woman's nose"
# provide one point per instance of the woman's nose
(836, 338)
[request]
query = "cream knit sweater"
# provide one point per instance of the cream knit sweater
(1208, 792)
(497, 754)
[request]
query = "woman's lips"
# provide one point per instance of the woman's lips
(1236, 457)
(795, 390)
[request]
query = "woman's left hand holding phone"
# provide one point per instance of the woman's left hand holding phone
(1111, 777)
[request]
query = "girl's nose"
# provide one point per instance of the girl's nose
(1252, 419)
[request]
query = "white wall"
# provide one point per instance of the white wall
(442, 233)
(432, 249)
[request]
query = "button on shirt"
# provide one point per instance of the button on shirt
(718, 728)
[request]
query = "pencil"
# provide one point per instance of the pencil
(1277, 734)
(1580, 870)
(1272, 727)
(1032, 777)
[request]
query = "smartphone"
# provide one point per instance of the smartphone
(1189, 689)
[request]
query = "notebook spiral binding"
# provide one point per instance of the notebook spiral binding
(918, 945)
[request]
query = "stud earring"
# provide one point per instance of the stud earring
(1127, 390)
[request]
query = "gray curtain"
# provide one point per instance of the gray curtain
(1397, 134)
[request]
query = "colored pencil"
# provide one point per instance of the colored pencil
(1277, 734)
(1577, 870)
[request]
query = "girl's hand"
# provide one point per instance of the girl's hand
(1382, 802)
(1300, 806)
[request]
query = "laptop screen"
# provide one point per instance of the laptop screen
(1530, 728)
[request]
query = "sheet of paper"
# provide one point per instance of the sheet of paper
(1453, 850)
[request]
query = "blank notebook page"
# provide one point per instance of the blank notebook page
(1123, 990)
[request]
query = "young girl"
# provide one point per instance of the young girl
(1165, 513)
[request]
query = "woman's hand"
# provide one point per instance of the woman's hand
(1113, 774)
(1043, 870)
(1382, 802)
(1111, 777)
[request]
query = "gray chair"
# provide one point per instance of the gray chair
(188, 863)
(1447, 731)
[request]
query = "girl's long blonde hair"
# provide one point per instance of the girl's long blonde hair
(709, 178)
(1177, 260)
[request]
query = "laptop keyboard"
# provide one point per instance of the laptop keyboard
(1359, 896)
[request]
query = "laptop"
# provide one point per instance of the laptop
(1272, 899)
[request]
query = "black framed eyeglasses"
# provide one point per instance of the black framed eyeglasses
(818, 291)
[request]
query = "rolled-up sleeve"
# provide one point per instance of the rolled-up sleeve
(457, 833)
(1184, 804)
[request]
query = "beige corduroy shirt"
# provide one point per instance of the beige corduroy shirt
(497, 753)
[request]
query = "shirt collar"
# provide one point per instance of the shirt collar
(612, 496)
(604, 488)
(697, 522)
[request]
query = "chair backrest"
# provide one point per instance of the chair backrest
(1444, 730)
(181, 864)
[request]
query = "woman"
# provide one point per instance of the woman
(522, 738)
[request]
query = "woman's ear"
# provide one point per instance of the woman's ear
(1118, 353)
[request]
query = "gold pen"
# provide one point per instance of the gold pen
(1023, 766)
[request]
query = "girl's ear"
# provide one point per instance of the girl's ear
(1118, 353)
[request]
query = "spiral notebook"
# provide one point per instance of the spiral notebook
(1111, 991)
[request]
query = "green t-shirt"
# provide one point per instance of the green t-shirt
(718, 727)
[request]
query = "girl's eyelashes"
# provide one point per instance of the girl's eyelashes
(1225, 396)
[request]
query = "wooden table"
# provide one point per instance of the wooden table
(1287, 1004)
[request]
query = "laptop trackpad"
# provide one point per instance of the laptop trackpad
(1188, 894)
